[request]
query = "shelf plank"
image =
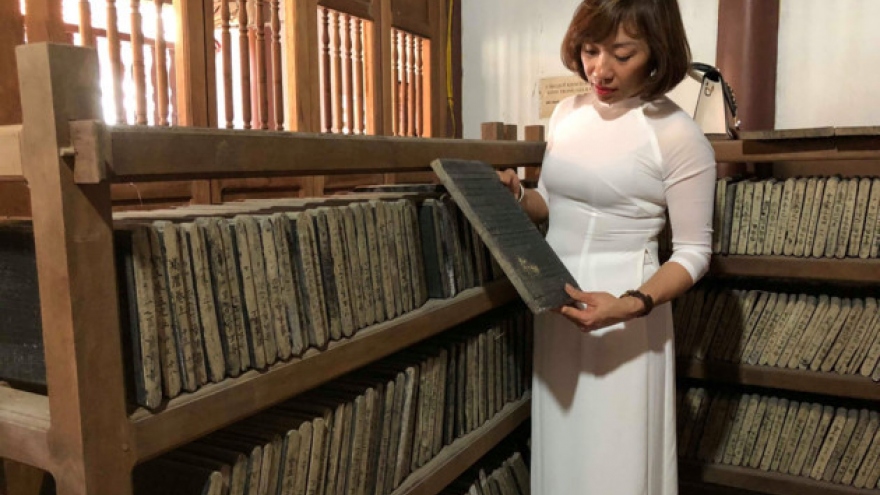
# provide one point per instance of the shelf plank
(139, 153)
(10, 151)
(844, 147)
(459, 456)
(834, 384)
(190, 416)
(24, 427)
(814, 269)
(763, 481)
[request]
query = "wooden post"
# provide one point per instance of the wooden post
(492, 131)
(439, 126)
(89, 433)
(44, 21)
(11, 35)
(196, 84)
(533, 134)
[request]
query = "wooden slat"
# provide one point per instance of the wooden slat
(788, 267)
(277, 79)
(454, 459)
(834, 384)
(24, 426)
(115, 53)
(155, 153)
(184, 418)
(860, 147)
(419, 103)
(10, 151)
(770, 483)
(159, 62)
(786, 134)
(137, 49)
(348, 72)
(226, 61)
(324, 64)
(75, 261)
(244, 63)
(358, 78)
(336, 71)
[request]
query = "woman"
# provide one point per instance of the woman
(617, 159)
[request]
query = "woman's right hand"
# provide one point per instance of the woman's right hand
(510, 180)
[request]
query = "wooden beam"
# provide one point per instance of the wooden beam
(300, 35)
(196, 83)
(440, 125)
(44, 21)
(748, 31)
(24, 426)
(155, 153)
(10, 150)
(89, 434)
(11, 35)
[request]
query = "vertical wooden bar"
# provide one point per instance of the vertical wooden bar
(411, 84)
(533, 134)
(748, 33)
(262, 84)
(278, 81)
(87, 36)
(115, 52)
(244, 63)
(226, 60)
(75, 260)
(378, 63)
(336, 63)
(137, 50)
(11, 35)
(395, 83)
(44, 21)
(347, 72)
(196, 87)
(492, 131)
(160, 62)
(301, 31)
(324, 69)
(438, 117)
(509, 132)
(419, 103)
(361, 114)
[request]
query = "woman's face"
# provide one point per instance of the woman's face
(617, 67)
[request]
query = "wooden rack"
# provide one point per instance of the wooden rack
(857, 145)
(82, 431)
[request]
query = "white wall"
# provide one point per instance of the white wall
(509, 45)
(829, 63)
(828, 72)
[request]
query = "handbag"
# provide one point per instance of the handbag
(715, 110)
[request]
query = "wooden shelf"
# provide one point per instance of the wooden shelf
(827, 143)
(24, 427)
(190, 416)
(789, 267)
(763, 481)
(464, 452)
(834, 384)
(141, 153)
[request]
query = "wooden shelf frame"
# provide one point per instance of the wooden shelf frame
(771, 483)
(237, 398)
(845, 143)
(92, 449)
(847, 270)
(831, 383)
(461, 454)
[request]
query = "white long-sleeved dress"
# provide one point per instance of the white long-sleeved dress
(603, 410)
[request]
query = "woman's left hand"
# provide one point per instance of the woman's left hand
(600, 309)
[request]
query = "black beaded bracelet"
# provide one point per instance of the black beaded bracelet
(647, 300)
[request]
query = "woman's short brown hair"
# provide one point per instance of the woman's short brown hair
(658, 22)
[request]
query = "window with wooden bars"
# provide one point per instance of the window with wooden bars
(411, 95)
(342, 72)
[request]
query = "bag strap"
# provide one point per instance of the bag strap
(714, 75)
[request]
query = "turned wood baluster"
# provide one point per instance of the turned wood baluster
(337, 74)
(347, 71)
(245, 65)
(262, 84)
(419, 102)
(160, 62)
(115, 52)
(277, 79)
(324, 70)
(226, 59)
(397, 109)
(360, 93)
(87, 36)
(137, 48)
